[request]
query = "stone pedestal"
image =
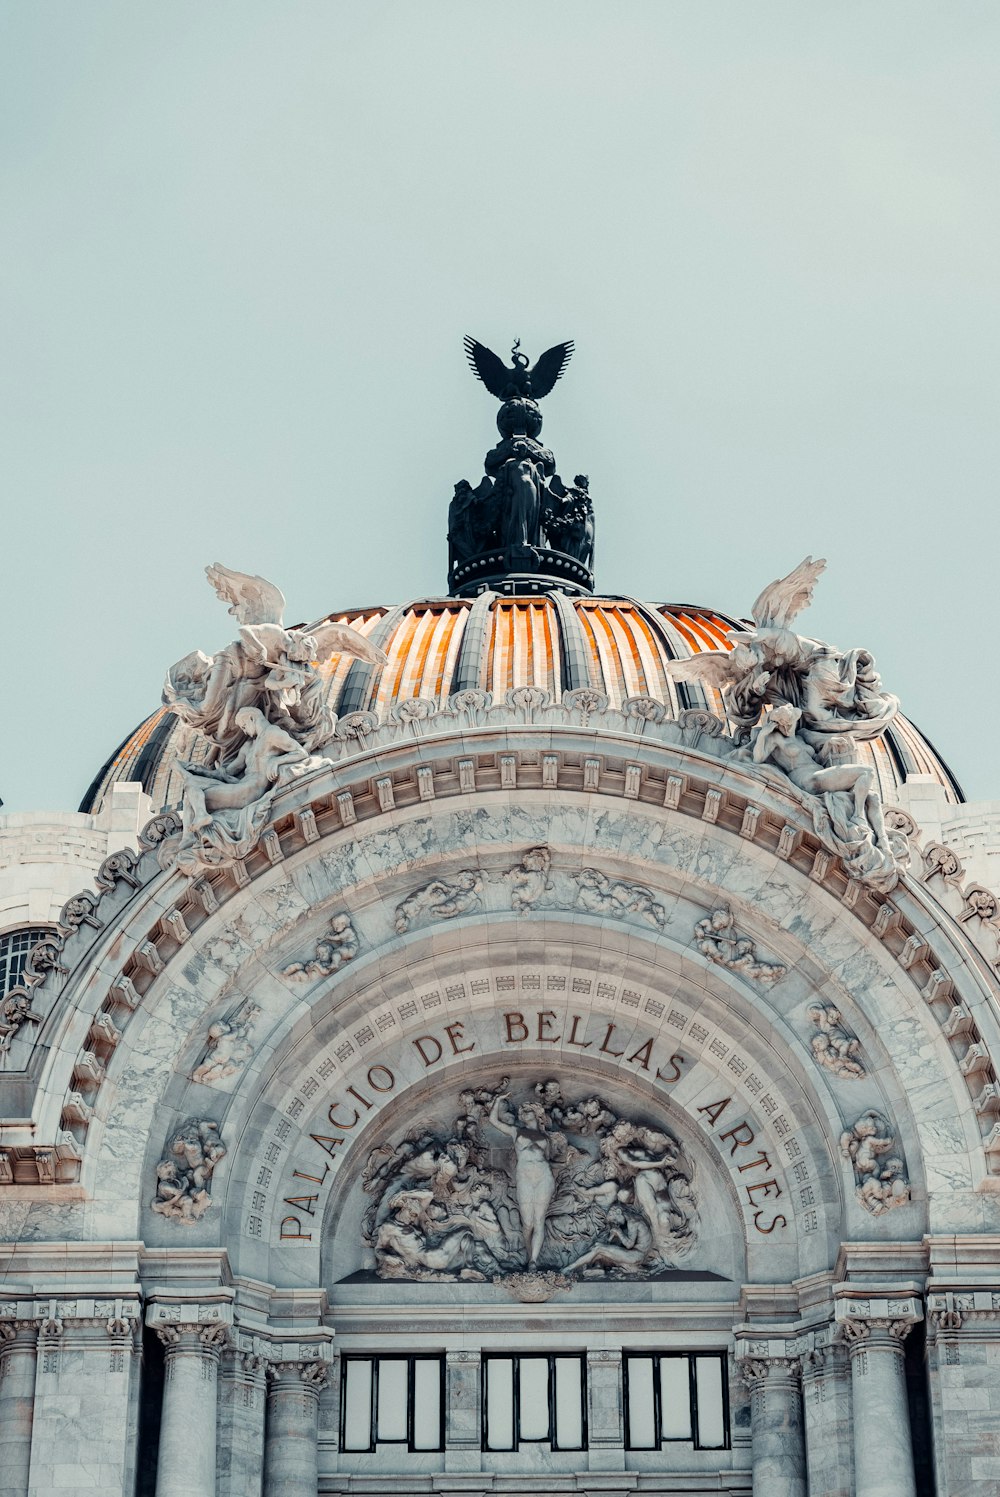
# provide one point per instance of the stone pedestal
(17, 1393)
(826, 1402)
(778, 1445)
(605, 1414)
(291, 1431)
(883, 1455)
(187, 1457)
(463, 1414)
(242, 1397)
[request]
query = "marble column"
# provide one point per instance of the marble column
(826, 1402)
(777, 1440)
(187, 1458)
(291, 1464)
(242, 1397)
(18, 1343)
(883, 1453)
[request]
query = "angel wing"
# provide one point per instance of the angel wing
(338, 639)
(549, 368)
(485, 365)
(714, 667)
(252, 600)
(784, 600)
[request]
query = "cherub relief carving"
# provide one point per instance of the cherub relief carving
(833, 1047)
(800, 704)
(881, 1183)
(229, 1046)
(578, 1190)
(184, 1173)
(600, 895)
(441, 899)
(717, 937)
(338, 946)
(530, 879)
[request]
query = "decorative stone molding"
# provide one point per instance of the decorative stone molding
(717, 938)
(861, 1317)
(963, 1309)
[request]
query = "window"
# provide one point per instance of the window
(676, 1396)
(14, 948)
(534, 1400)
(392, 1401)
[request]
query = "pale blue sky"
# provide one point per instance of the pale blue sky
(240, 244)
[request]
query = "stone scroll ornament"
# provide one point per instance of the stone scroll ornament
(879, 1174)
(261, 702)
(184, 1173)
(800, 706)
(527, 1192)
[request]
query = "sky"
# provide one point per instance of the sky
(241, 242)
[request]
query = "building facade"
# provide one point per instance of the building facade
(551, 1047)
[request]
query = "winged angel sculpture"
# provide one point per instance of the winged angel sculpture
(261, 704)
(799, 706)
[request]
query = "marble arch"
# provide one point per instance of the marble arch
(168, 958)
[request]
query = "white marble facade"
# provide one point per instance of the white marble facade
(355, 1096)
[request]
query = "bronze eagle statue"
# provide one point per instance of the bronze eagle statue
(518, 381)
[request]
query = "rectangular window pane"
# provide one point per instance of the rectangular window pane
(641, 1428)
(711, 1414)
(426, 1405)
(357, 1404)
(675, 1399)
(391, 1419)
(534, 1401)
(500, 1403)
(569, 1403)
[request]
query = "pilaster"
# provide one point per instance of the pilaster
(606, 1415)
(826, 1402)
(83, 1424)
(963, 1343)
(18, 1347)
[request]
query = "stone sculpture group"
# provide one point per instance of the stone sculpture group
(800, 706)
(261, 704)
(184, 1173)
(536, 1187)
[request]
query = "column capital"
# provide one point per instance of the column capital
(964, 1309)
(309, 1375)
(203, 1321)
(774, 1359)
(874, 1318)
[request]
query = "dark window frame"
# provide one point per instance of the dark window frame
(374, 1443)
(517, 1357)
(694, 1439)
(16, 946)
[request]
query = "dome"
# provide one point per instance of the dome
(618, 646)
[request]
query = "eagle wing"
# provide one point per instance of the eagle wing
(252, 600)
(485, 365)
(339, 639)
(549, 368)
(784, 600)
(714, 667)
